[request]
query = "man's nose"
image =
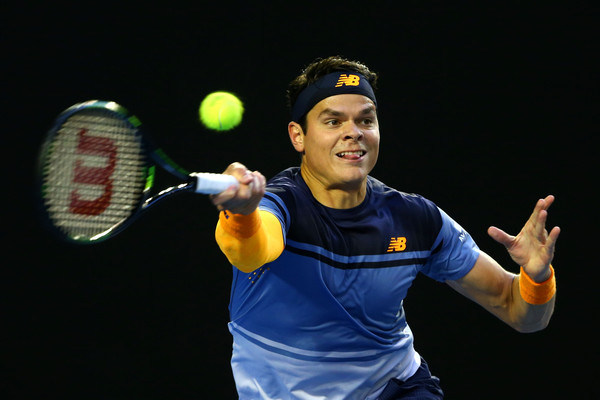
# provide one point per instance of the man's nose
(353, 132)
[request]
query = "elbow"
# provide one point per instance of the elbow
(246, 268)
(248, 254)
(244, 264)
(531, 327)
(245, 256)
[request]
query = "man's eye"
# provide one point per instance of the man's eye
(368, 121)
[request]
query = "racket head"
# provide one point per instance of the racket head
(94, 172)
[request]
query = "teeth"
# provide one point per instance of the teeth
(347, 153)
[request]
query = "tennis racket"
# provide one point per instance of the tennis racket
(96, 172)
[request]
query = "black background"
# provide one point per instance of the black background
(483, 109)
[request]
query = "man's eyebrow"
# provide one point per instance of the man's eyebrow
(331, 111)
(370, 109)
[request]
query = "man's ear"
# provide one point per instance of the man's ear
(296, 136)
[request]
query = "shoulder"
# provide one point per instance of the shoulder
(411, 204)
(286, 179)
(288, 187)
(284, 192)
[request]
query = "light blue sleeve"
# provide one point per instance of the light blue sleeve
(453, 254)
(275, 205)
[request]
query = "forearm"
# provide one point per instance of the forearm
(249, 241)
(499, 292)
(531, 305)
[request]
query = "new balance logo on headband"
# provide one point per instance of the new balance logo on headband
(333, 84)
(348, 80)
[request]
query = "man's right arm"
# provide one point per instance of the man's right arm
(249, 241)
(249, 238)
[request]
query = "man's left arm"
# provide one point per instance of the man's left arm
(524, 301)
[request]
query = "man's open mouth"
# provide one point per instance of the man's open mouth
(351, 155)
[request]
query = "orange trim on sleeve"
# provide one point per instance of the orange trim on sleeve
(240, 225)
(537, 293)
(249, 241)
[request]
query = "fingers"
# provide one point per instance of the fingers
(548, 201)
(224, 196)
(535, 226)
(501, 237)
(252, 184)
(538, 218)
(239, 171)
(542, 205)
(551, 240)
(245, 198)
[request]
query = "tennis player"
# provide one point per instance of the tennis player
(323, 256)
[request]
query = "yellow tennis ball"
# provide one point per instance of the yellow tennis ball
(221, 111)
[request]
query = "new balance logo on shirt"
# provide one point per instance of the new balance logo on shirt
(397, 244)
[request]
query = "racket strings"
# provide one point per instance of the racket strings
(94, 177)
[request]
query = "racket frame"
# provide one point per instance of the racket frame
(151, 153)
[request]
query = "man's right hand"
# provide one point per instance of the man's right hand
(245, 199)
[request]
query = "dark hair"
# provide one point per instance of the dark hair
(321, 67)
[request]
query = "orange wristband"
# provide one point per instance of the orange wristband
(537, 293)
(240, 225)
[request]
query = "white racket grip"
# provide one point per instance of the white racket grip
(209, 183)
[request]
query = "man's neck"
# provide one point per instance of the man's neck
(338, 196)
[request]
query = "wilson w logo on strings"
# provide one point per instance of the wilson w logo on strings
(97, 175)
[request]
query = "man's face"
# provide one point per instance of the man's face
(341, 143)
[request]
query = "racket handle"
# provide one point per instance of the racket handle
(209, 183)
